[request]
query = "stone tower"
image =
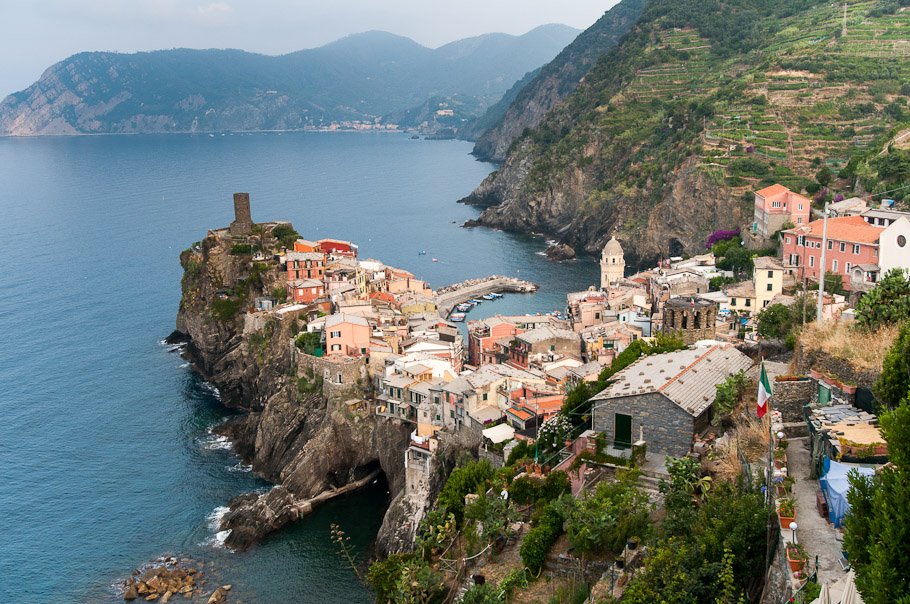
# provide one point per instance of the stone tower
(693, 318)
(242, 221)
(612, 264)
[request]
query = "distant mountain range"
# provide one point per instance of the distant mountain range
(362, 77)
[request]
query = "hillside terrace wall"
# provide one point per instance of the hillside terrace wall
(790, 398)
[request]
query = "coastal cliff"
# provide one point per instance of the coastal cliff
(313, 446)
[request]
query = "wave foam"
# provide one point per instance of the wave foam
(240, 467)
(215, 443)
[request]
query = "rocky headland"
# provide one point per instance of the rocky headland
(313, 446)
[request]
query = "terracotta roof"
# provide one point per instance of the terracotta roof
(772, 190)
(847, 228)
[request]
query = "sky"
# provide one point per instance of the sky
(35, 34)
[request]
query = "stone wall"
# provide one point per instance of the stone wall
(820, 360)
(667, 429)
(243, 222)
(496, 460)
(791, 397)
(694, 323)
(341, 379)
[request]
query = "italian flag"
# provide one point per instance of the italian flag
(764, 392)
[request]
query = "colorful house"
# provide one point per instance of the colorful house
(338, 247)
(305, 265)
(347, 335)
(777, 205)
(851, 241)
(305, 291)
(304, 245)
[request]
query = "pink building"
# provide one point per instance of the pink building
(482, 337)
(347, 335)
(851, 242)
(777, 205)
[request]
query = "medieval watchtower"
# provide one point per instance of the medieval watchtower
(242, 224)
(693, 318)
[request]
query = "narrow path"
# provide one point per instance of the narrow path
(817, 535)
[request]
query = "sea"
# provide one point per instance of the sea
(107, 457)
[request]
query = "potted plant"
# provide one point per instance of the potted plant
(786, 511)
(849, 388)
(632, 543)
(796, 556)
(816, 375)
(619, 563)
(780, 458)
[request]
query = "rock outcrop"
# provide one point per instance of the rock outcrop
(560, 251)
(312, 446)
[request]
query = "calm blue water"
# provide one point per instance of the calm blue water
(106, 456)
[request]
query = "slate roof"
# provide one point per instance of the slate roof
(686, 377)
(542, 334)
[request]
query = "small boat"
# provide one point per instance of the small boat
(435, 260)
(487, 296)
(474, 301)
(464, 307)
(457, 317)
(421, 253)
(495, 295)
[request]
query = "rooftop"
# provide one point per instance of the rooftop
(767, 263)
(305, 256)
(686, 377)
(542, 334)
(846, 228)
(338, 319)
(688, 302)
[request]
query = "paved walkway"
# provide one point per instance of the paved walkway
(817, 535)
(447, 301)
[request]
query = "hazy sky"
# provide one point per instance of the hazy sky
(35, 34)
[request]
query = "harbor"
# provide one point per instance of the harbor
(458, 299)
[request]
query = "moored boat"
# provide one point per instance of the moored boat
(457, 316)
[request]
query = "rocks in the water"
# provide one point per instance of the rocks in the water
(163, 582)
(220, 595)
(252, 518)
(470, 224)
(560, 251)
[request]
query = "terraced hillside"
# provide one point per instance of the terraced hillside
(700, 103)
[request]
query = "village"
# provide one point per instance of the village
(558, 387)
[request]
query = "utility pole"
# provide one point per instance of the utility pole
(821, 269)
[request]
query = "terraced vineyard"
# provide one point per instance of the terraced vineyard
(709, 99)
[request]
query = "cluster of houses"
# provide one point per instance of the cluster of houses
(502, 377)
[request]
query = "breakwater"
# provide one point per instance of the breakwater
(447, 298)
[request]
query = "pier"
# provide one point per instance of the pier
(447, 298)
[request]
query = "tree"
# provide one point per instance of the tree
(834, 283)
(894, 381)
(888, 303)
(877, 537)
(823, 176)
(774, 322)
(578, 403)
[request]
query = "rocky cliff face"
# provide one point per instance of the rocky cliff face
(311, 446)
(555, 81)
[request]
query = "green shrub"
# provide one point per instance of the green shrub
(241, 249)
(224, 310)
(541, 538)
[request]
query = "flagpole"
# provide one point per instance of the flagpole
(768, 481)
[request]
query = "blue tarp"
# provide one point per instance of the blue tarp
(835, 484)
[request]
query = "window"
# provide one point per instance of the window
(811, 261)
(830, 245)
(843, 246)
(597, 315)
(834, 266)
(748, 302)
(800, 240)
(855, 249)
(847, 268)
(765, 304)
(770, 275)
(786, 239)
(552, 347)
(800, 206)
(452, 413)
(875, 251)
(484, 396)
(336, 347)
(732, 301)
(335, 334)
(775, 204)
(770, 286)
(799, 221)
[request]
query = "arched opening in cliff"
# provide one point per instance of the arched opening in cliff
(365, 474)
(676, 247)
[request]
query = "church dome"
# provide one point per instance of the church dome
(613, 248)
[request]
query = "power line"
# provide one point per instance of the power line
(891, 191)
